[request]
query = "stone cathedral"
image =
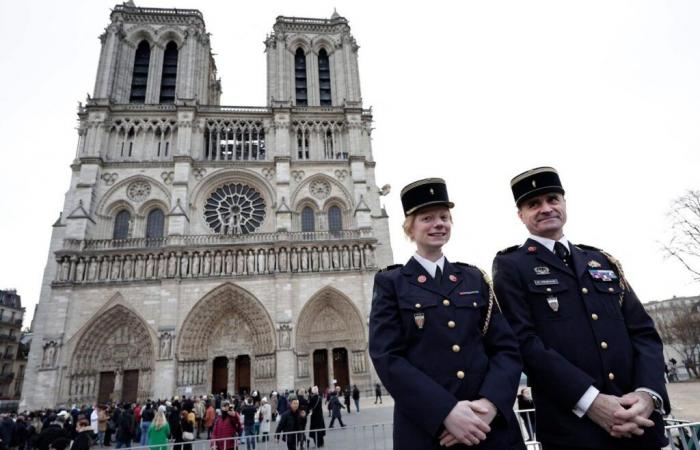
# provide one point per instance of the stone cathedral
(205, 248)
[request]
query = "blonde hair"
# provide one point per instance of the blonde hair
(411, 219)
(159, 420)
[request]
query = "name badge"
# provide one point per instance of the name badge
(547, 282)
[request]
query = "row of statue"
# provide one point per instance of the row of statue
(175, 264)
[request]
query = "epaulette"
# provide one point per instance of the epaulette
(492, 295)
(613, 262)
(392, 267)
(505, 251)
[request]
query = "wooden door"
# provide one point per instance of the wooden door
(130, 389)
(219, 381)
(340, 367)
(321, 369)
(243, 374)
(104, 393)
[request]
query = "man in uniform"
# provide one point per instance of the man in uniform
(590, 351)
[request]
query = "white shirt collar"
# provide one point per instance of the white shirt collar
(549, 243)
(430, 266)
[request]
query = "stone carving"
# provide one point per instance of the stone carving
(340, 174)
(199, 172)
(303, 366)
(269, 173)
(298, 175)
(265, 366)
(234, 209)
(138, 191)
(109, 178)
(165, 345)
(359, 362)
(320, 189)
(285, 335)
(167, 177)
(48, 359)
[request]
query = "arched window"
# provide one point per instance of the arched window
(155, 224)
(167, 81)
(324, 78)
(121, 225)
(139, 77)
(300, 77)
(307, 219)
(335, 219)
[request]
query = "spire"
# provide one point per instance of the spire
(335, 14)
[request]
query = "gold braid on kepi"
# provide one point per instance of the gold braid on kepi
(616, 264)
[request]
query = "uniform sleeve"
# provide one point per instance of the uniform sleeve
(545, 367)
(648, 347)
(500, 385)
(417, 395)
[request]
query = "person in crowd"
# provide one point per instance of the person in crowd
(51, 432)
(438, 339)
(317, 422)
(377, 393)
(592, 355)
(273, 405)
(265, 417)
(147, 415)
(226, 427)
(187, 427)
(7, 430)
(102, 419)
(335, 406)
(209, 417)
(290, 424)
(158, 431)
(83, 437)
(347, 395)
(125, 427)
(199, 409)
(248, 411)
(356, 397)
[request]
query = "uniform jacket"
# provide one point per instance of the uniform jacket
(575, 332)
(426, 344)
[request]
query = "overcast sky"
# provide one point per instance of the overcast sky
(475, 92)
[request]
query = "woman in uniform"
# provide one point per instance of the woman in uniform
(439, 342)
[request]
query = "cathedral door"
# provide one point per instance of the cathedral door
(340, 367)
(130, 387)
(243, 374)
(106, 387)
(321, 369)
(219, 381)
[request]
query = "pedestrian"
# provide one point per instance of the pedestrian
(51, 432)
(273, 405)
(265, 417)
(377, 393)
(317, 422)
(83, 437)
(248, 411)
(439, 342)
(209, 417)
(290, 424)
(226, 427)
(147, 415)
(347, 394)
(199, 409)
(187, 427)
(592, 355)
(335, 406)
(356, 397)
(102, 419)
(158, 431)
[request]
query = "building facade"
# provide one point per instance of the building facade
(11, 356)
(206, 248)
(681, 344)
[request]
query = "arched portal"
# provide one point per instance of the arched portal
(330, 341)
(113, 359)
(228, 335)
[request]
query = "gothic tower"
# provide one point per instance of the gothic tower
(205, 248)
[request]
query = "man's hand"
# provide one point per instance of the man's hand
(634, 417)
(602, 412)
(484, 403)
(464, 425)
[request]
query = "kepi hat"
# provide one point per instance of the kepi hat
(422, 193)
(534, 182)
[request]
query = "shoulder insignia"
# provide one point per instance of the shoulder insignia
(464, 264)
(613, 262)
(392, 267)
(511, 249)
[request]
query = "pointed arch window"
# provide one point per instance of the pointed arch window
(335, 220)
(300, 77)
(307, 219)
(169, 77)
(139, 77)
(324, 78)
(121, 225)
(155, 224)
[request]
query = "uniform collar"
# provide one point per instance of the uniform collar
(431, 266)
(549, 243)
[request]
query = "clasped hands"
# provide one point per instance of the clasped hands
(622, 416)
(468, 422)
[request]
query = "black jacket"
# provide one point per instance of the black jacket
(49, 434)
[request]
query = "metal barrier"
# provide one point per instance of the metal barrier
(682, 434)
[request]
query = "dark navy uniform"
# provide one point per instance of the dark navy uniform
(579, 325)
(436, 343)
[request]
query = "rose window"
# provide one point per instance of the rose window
(234, 209)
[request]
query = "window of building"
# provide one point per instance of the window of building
(328, 140)
(303, 144)
(324, 78)
(139, 78)
(155, 224)
(300, 77)
(167, 81)
(121, 225)
(335, 219)
(307, 219)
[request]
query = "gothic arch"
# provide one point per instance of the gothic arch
(322, 42)
(104, 206)
(170, 34)
(139, 33)
(337, 189)
(227, 305)
(299, 40)
(329, 318)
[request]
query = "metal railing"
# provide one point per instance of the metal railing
(682, 434)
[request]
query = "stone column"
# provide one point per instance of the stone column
(155, 73)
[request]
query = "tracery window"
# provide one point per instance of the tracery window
(155, 224)
(169, 76)
(139, 78)
(324, 78)
(234, 140)
(300, 77)
(328, 144)
(307, 219)
(234, 208)
(121, 225)
(335, 219)
(303, 143)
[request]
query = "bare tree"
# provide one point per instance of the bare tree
(684, 244)
(682, 332)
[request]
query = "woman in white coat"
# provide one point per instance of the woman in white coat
(265, 414)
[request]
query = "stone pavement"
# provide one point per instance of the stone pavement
(685, 400)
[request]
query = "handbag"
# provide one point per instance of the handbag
(188, 436)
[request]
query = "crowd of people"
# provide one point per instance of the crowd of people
(228, 422)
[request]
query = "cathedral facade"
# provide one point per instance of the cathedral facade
(206, 248)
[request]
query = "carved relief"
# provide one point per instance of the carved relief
(48, 359)
(138, 191)
(320, 189)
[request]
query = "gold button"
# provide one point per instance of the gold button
(594, 316)
(584, 290)
(446, 302)
(455, 348)
(611, 376)
(611, 289)
(549, 289)
(460, 374)
(451, 324)
(418, 305)
(603, 345)
(474, 304)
